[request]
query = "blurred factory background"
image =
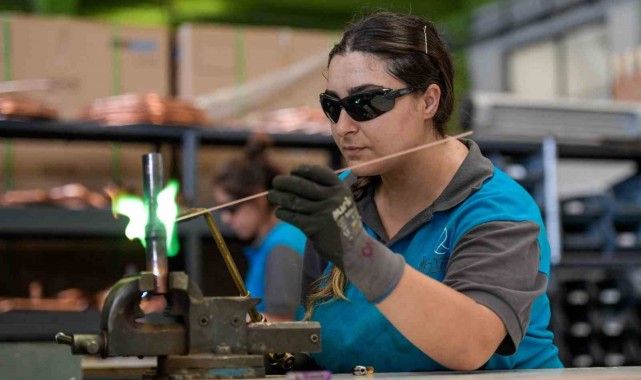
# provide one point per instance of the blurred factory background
(551, 88)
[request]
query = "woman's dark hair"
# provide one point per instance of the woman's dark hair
(251, 173)
(413, 51)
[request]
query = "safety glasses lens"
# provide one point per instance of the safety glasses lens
(368, 106)
(331, 107)
(363, 106)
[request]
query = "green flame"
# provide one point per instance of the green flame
(167, 212)
(133, 207)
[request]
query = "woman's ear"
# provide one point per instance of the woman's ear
(431, 98)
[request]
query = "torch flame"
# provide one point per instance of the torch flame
(167, 211)
(133, 207)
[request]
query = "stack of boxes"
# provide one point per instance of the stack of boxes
(212, 58)
(85, 60)
(81, 61)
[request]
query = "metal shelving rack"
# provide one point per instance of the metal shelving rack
(46, 221)
(613, 150)
(37, 220)
(597, 341)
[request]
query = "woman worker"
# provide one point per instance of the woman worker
(438, 259)
(275, 253)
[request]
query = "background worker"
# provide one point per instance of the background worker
(275, 250)
(438, 259)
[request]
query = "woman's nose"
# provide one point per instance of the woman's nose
(225, 216)
(345, 124)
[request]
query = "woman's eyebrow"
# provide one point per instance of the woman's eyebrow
(366, 86)
(354, 90)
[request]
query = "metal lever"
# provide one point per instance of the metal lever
(84, 344)
(254, 315)
(62, 338)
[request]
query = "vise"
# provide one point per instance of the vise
(206, 337)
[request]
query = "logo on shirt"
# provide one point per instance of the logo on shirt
(442, 248)
(433, 265)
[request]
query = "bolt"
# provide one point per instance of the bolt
(92, 347)
(236, 321)
(313, 338)
(62, 338)
(223, 349)
(204, 321)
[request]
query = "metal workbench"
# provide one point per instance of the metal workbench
(125, 369)
(561, 374)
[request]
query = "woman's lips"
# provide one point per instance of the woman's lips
(352, 150)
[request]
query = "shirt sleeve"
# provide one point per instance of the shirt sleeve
(313, 268)
(282, 281)
(497, 265)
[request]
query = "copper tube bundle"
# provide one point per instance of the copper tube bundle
(73, 196)
(143, 109)
(72, 299)
(285, 120)
(18, 107)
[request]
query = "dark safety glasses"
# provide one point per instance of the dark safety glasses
(231, 209)
(363, 106)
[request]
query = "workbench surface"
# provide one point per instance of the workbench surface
(612, 373)
(135, 367)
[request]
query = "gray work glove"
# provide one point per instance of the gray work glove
(315, 200)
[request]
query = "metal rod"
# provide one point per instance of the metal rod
(285, 360)
(189, 215)
(155, 233)
(231, 266)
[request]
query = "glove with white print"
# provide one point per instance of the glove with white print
(315, 200)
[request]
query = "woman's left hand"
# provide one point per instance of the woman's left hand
(315, 200)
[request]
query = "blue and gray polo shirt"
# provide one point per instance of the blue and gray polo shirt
(274, 269)
(485, 238)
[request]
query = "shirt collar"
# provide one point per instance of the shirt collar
(469, 177)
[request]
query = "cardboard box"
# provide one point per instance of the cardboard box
(206, 59)
(70, 53)
(84, 60)
(263, 51)
(213, 57)
(144, 58)
(43, 164)
(302, 45)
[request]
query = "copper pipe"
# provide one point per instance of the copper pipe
(155, 233)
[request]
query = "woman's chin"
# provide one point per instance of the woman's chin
(243, 235)
(365, 171)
